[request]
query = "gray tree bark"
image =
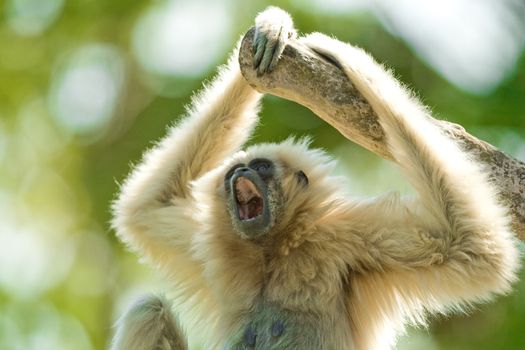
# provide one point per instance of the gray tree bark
(313, 81)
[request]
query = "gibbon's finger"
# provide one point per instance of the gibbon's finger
(259, 51)
(254, 43)
(268, 54)
(279, 48)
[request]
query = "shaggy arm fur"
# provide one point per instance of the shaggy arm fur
(154, 212)
(218, 123)
(456, 223)
(447, 248)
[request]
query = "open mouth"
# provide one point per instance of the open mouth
(249, 200)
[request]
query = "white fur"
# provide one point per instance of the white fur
(154, 213)
(367, 267)
(149, 325)
(451, 247)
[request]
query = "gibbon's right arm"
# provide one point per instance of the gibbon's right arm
(152, 213)
(453, 243)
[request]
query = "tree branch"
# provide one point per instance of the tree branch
(313, 81)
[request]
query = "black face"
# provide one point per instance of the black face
(255, 196)
(248, 187)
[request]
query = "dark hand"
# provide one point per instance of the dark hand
(273, 28)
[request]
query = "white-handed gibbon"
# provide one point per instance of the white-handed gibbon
(265, 249)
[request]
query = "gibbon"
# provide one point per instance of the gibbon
(266, 251)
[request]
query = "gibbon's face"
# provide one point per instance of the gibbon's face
(254, 192)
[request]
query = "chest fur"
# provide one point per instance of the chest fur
(306, 279)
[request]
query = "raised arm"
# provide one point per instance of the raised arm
(454, 236)
(157, 192)
(153, 211)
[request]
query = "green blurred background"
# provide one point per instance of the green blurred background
(87, 85)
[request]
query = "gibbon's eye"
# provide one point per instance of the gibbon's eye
(229, 173)
(301, 177)
(263, 167)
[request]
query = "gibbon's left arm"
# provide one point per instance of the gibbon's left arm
(453, 244)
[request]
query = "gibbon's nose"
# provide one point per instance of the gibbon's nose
(242, 170)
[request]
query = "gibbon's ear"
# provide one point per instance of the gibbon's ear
(302, 178)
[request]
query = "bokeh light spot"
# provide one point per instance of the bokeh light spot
(32, 17)
(182, 38)
(30, 262)
(86, 88)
